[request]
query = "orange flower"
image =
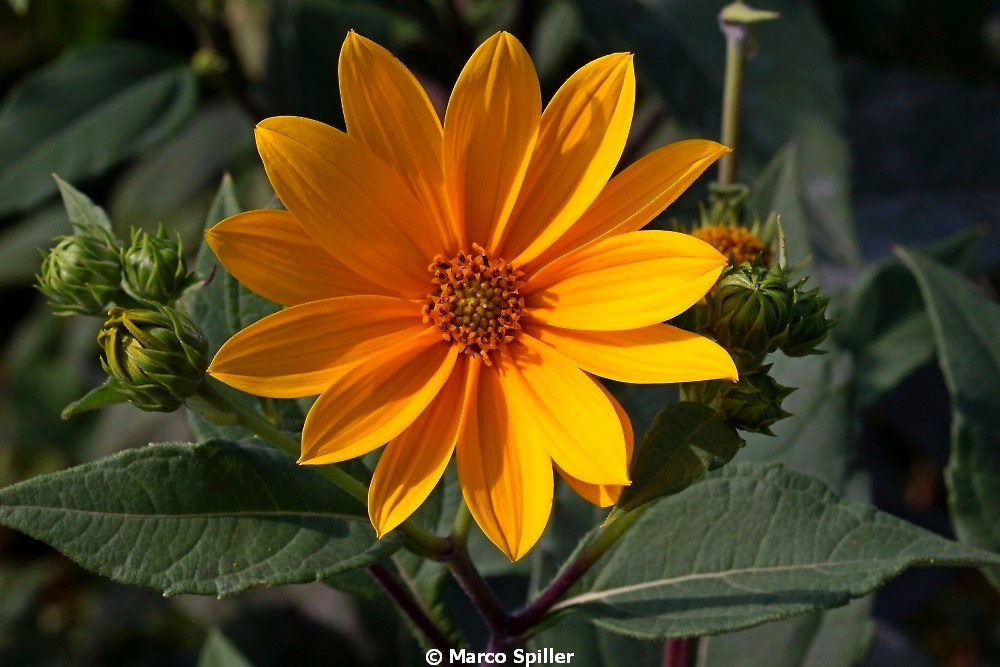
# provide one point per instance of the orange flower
(453, 287)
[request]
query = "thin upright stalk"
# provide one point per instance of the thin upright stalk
(479, 592)
(732, 99)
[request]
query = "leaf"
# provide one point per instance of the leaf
(98, 397)
(885, 324)
(84, 113)
(215, 518)
(778, 190)
(685, 441)
(79, 208)
(20, 7)
(838, 637)
(752, 543)
(595, 647)
(218, 651)
(19, 245)
(967, 331)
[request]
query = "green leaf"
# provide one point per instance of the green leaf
(595, 647)
(19, 244)
(218, 651)
(835, 638)
(967, 330)
(80, 209)
(885, 324)
(215, 518)
(778, 189)
(685, 441)
(749, 544)
(98, 397)
(84, 113)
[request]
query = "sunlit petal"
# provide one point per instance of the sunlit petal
(489, 131)
(414, 461)
(624, 282)
(295, 352)
(351, 202)
(581, 138)
(656, 354)
(563, 411)
(270, 253)
(387, 109)
(373, 402)
(506, 480)
(634, 197)
(604, 495)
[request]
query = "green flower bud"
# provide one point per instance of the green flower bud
(157, 358)
(748, 310)
(807, 323)
(154, 267)
(82, 273)
(754, 403)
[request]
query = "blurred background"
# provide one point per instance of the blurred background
(867, 123)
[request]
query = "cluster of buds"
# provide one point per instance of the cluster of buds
(755, 309)
(153, 354)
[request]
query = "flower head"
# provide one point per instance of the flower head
(454, 288)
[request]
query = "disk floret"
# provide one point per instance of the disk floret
(476, 301)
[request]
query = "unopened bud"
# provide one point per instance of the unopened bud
(754, 403)
(157, 358)
(748, 311)
(807, 323)
(154, 267)
(82, 273)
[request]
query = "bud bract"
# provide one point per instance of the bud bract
(807, 323)
(82, 273)
(157, 358)
(748, 310)
(754, 402)
(154, 267)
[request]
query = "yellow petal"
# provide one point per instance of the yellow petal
(374, 401)
(414, 461)
(296, 351)
(270, 253)
(350, 201)
(489, 131)
(623, 282)
(656, 354)
(637, 195)
(561, 410)
(506, 479)
(387, 109)
(604, 495)
(581, 138)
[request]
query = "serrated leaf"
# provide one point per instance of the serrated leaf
(211, 519)
(685, 441)
(885, 324)
(966, 328)
(749, 544)
(217, 651)
(84, 113)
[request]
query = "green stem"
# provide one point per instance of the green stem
(732, 95)
(521, 624)
(463, 523)
(418, 539)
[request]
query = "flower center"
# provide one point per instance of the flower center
(475, 302)
(737, 242)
